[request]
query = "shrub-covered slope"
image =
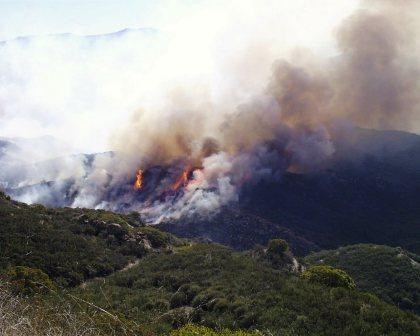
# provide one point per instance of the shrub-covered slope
(391, 273)
(72, 245)
(212, 285)
(170, 284)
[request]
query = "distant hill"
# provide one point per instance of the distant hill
(391, 273)
(69, 36)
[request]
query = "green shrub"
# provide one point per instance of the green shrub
(26, 280)
(179, 299)
(221, 304)
(206, 299)
(179, 316)
(277, 247)
(157, 238)
(134, 219)
(329, 276)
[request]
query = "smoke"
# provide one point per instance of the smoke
(71, 86)
(378, 72)
(255, 116)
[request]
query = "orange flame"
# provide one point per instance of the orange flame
(138, 183)
(182, 180)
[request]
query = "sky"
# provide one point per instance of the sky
(37, 17)
(81, 92)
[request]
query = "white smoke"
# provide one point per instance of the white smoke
(204, 93)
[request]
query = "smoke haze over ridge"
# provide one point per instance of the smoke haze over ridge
(257, 110)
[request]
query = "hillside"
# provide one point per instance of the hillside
(115, 276)
(239, 229)
(72, 245)
(368, 193)
(214, 286)
(390, 273)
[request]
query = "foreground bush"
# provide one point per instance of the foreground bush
(58, 316)
(19, 317)
(28, 281)
(329, 276)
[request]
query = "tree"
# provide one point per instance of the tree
(277, 247)
(329, 276)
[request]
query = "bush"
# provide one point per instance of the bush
(221, 304)
(184, 295)
(135, 219)
(277, 247)
(179, 316)
(157, 238)
(26, 280)
(178, 299)
(329, 276)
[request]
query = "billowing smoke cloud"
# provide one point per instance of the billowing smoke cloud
(378, 74)
(199, 146)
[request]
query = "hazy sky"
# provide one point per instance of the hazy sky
(34, 17)
(81, 92)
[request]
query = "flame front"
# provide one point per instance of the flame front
(138, 183)
(182, 180)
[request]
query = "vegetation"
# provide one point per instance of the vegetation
(390, 273)
(72, 245)
(328, 276)
(28, 281)
(39, 316)
(80, 271)
(279, 255)
(213, 286)
(194, 330)
(277, 247)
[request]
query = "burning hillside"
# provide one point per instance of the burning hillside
(291, 126)
(197, 150)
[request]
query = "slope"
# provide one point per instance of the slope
(391, 273)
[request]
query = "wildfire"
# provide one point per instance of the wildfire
(198, 179)
(138, 183)
(182, 180)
